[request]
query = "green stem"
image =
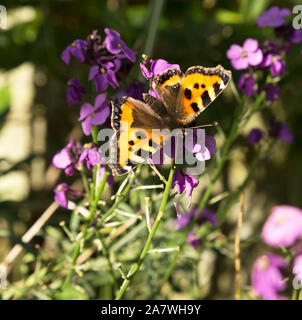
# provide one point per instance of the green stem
(84, 233)
(133, 270)
(107, 256)
(156, 9)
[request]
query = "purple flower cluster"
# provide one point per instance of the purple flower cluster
(270, 56)
(277, 129)
(74, 158)
(108, 63)
(105, 59)
(282, 229)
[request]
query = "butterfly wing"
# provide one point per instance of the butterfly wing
(135, 139)
(168, 86)
(199, 88)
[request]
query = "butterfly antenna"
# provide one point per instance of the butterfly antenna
(214, 124)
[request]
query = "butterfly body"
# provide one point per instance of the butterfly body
(182, 98)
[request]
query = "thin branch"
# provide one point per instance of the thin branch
(237, 249)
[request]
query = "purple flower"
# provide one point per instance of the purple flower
(280, 130)
(76, 49)
(246, 84)
(192, 239)
(248, 55)
(182, 221)
(110, 179)
(267, 279)
(90, 155)
(152, 68)
(103, 74)
(68, 157)
(205, 151)
(61, 192)
(91, 116)
(274, 17)
(184, 182)
(271, 91)
(208, 215)
(205, 215)
(283, 227)
(255, 136)
(115, 44)
(74, 91)
(276, 64)
(135, 90)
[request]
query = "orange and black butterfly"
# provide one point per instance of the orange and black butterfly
(182, 98)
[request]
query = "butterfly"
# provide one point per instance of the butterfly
(183, 96)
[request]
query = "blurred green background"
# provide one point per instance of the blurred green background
(35, 121)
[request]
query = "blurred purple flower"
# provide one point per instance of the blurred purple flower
(91, 116)
(110, 179)
(182, 221)
(205, 215)
(192, 239)
(267, 278)
(248, 55)
(61, 192)
(209, 216)
(68, 157)
(283, 227)
(74, 91)
(274, 17)
(135, 90)
(246, 84)
(271, 91)
(76, 49)
(254, 136)
(276, 64)
(280, 130)
(103, 74)
(116, 45)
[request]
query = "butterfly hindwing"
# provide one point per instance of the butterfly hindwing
(199, 88)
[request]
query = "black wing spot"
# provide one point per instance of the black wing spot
(194, 106)
(131, 142)
(217, 88)
(206, 100)
(140, 135)
(188, 94)
(203, 85)
(196, 85)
